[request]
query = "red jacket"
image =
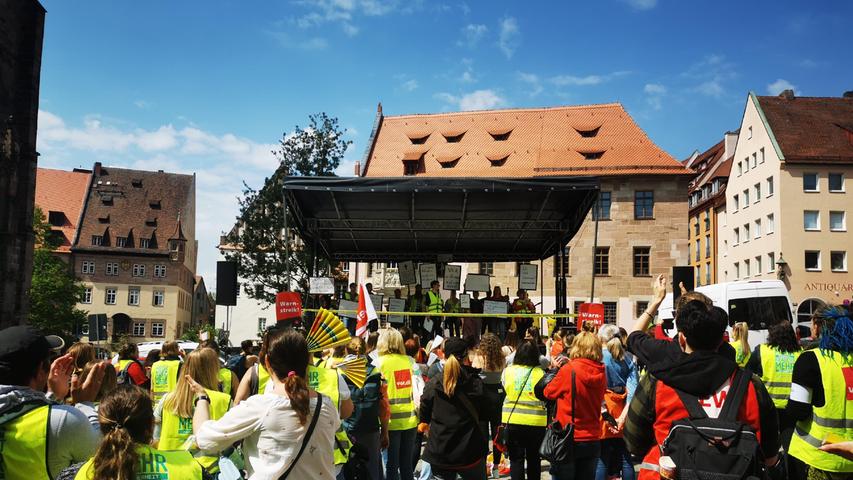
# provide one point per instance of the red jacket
(591, 383)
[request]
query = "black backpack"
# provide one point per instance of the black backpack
(715, 448)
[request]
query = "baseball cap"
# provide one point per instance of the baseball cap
(23, 341)
(456, 347)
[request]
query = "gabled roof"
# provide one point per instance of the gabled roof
(811, 129)
(65, 192)
(533, 142)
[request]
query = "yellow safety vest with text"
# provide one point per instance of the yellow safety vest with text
(397, 371)
(164, 377)
(528, 409)
(155, 465)
(325, 381)
(176, 430)
(435, 304)
(225, 380)
(23, 446)
(834, 418)
(776, 370)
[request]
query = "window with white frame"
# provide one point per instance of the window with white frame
(87, 295)
(746, 272)
(707, 246)
(138, 269)
(746, 198)
(159, 298)
(97, 240)
(262, 324)
(749, 133)
(811, 220)
(812, 260)
(836, 182)
(746, 164)
(745, 232)
(737, 270)
(708, 273)
(838, 221)
(754, 160)
(133, 296)
(739, 168)
(761, 155)
(810, 182)
(736, 236)
(158, 329)
(771, 262)
(769, 186)
(121, 241)
(110, 296)
(138, 329)
(838, 261)
(144, 243)
(160, 271)
(736, 203)
(87, 267)
(758, 265)
(756, 230)
(112, 269)
(757, 188)
(770, 226)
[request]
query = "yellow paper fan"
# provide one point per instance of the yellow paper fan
(327, 331)
(355, 370)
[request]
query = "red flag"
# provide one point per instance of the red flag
(366, 312)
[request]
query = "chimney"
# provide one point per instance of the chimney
(787, 94)
(848, 94)
(97, 169)
(357, 168)
(379, 108)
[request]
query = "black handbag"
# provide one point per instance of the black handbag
(558, 446)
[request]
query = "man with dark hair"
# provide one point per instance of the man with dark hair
(40, 437)
(434, 305)
(698, 374)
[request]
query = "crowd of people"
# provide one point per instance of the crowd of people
(595, 402)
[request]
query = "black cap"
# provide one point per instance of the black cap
(23, 341)
(456, 347)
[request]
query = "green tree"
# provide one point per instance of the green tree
(262, 256)
(54, 292)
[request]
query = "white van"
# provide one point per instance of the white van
(759, 303)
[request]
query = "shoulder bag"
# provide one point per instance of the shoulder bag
(559, 443)
(501, 437)
(306, 437)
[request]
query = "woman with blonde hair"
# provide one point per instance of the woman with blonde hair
(740, 342)
(108, 384)
(622, 380)
(491, 362)
(398, 371)
(578, 390)
(174, 413)
(83, 353)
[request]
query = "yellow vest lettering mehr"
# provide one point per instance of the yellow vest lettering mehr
(325, 381)
(776, 370)
(528, 409)
(23, 445)
(434, 305)
(832, 418)
(155, 465)
(176, 430)
(225, 380)
(398, 372)
(164, 377)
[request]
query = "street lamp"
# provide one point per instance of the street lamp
(780, 268)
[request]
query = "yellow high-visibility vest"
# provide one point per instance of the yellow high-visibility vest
(741, 357)
(225, 380)
(434, 305)
(529, 410)
(398, 372)
(776, 370)
(23, 445)
(155, 464)
(831, 418)
(325, 381)
(164, 377)
(176, 430)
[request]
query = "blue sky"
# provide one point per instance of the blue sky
(209, 87)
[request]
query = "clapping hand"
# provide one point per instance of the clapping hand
(659, 288)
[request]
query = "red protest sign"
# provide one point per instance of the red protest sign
(288, 305)
(593, 312)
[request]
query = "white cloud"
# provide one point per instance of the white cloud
(287, 40)
(533, 81)
(510, 36)
(779, 86)
(472, 34)
(643, 4)
(476, 100)
(654, 95)
(711, 88)
(575, 81)
(654, 89)
(410, 85)
(142, 104)
(318, 13)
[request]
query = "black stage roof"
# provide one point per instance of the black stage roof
(429, 218)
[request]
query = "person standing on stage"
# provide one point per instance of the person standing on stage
(416, 305)
(453, 324)
(434, 305)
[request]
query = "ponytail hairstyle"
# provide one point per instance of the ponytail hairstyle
(609, 335)
(126, 417)
(202, 365)
(452, 370)
(837, 330)
(740, 333)
(287, 358)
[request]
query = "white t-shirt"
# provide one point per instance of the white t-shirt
(273, 437)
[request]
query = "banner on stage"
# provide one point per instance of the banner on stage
(477, 283)
(348, 305)
(406, 270)
(396, 305)
(591, 312)
(321, 286)
(288, 305)
(428, 274)
(493, 307)
(464, 301)
(452, 277)
(528, 276)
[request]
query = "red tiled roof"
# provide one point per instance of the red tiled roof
(811, 129)
(538, 142)
(62, 191)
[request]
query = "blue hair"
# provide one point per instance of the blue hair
(840, 337)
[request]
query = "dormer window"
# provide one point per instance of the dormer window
(454, 137)
(497, 160)
(419, 140)
(121, 241)
(154, 204)
(56, 218)
(97, 240)
(144, 243)
(449, 162)
(151, 221)
(588, 132)
(500, 135)
(136, 183)
(410, 167)
(594, 155)
(107, 199)
(104, 219)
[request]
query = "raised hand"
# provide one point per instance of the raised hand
(59, 376)
(88, 391)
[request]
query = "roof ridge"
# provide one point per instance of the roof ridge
(505, 110)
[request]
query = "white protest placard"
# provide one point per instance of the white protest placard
(377, 301)
(528, 276)
(321, 286)
(428, 274)
(396, 305)
(348, 305)
(452, 276)
(477, 283)
(493, 307)
(406, 270)
(464, 301)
